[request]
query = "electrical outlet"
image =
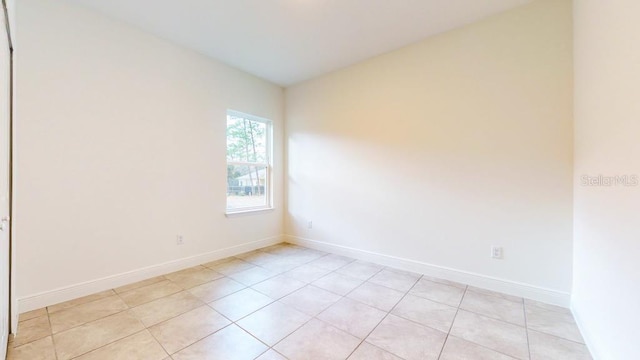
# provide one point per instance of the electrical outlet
(496, 252)
(310, 225)
(179, 240)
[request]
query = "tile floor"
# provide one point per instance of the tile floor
(290, 302)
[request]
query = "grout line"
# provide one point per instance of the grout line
(274, 301)
(254, 311)
(490, 316)
(526, 328)
(13, 342)
(116, 313)
(251, 287)
(276, 351)
(162, 346)
(112, 342)
(198, 340)
(55, 353)
(495, 294)
(483, 346)
(315, 317)
(280, 257)
(453, 321)
(557, 337)
(128, 308)
(377, 347)
(141, 286)
(482, 315)
(164, 321)
(386, 315)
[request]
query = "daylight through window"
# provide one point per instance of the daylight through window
(248, 162)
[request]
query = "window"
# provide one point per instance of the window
(248, 162)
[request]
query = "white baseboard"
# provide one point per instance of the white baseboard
(71, 292)
(532, 292)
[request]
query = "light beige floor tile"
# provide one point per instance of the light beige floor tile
(411, 274)
(229, 266)
(85, 299)
(32, 329)
(407, 339)
(553, 323)
(494, 334)
(228, 343)
(360, 270)
(314, 251)
(276, 247)
(306, 256)
(37, 350)
(139, 284)
(251, 253)
(307, 273)
(494, 307)
(401, 281)
(445, 282)
(458, 349)
(194, 331)
(241, 303)
(310, 342)
(337, 283)
(310, 300)
(278, 286)
(87, 312)
(165, 308)
(258, 257)
(495, 293)
(148, 293)
(548, 347)
(283, 249)
(281, 265)
(193, 276)
(32, 314)
(353, 317)
(216, 289)
(87, 337)
(378, 296)
(252, 276)
(446, 294)
(556, 308)
(367, 351)
(426, 312)
(331, 262)
(273, 322)
(138, 346)
(271, 355)
(181, 331)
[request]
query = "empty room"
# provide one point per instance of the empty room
(319, 179)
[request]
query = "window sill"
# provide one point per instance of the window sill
(247, 212)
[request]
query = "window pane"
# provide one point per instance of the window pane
(246, 140)
(246, 186)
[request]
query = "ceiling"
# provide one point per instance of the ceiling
(288, 41)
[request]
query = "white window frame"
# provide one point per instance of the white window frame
(268, 187)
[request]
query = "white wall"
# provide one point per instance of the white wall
(120, 146)
(606, 297)
(437, 151)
